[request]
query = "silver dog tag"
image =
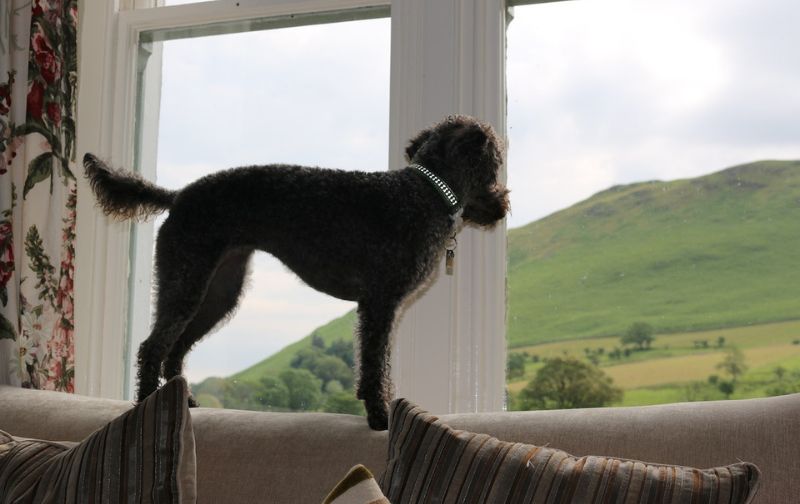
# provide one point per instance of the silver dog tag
(449, 261)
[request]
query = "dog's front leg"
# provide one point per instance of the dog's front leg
(376, 320)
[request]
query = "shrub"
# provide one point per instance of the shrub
(569, 383)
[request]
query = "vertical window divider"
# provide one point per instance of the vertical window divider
(449, 349)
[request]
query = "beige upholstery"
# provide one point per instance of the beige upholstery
(276, 457)
(286, 457)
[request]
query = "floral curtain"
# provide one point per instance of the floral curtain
(38, 74)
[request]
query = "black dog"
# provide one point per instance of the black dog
(373, 238)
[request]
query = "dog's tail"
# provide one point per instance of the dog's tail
(123, 194)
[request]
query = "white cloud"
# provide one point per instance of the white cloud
(604, 93)
(315, 95)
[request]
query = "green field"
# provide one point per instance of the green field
(697, 259)
(662, 374)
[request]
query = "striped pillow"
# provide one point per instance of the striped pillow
(145, 455)
(358, 487)
(431, 462)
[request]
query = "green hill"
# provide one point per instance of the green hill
(720, 250)
(340, 328)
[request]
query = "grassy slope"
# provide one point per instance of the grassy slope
(340, 328)
(716, 251)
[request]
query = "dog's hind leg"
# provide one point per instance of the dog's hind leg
(375, 322)
(221, 299)
(166, 331)
(182, 279)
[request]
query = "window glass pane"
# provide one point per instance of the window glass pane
(656, 195)
(312, 95)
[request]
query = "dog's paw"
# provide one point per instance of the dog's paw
(378, 418)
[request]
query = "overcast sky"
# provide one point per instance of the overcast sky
(616, 91)
(600, 93)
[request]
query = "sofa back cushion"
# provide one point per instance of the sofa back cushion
(145, 455)
(430, 462)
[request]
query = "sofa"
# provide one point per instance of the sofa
(248, 457)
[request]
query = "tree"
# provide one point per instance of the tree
(304, 389)
(330, 368)
(593, 355)
(239, 394)
(569, 383)
(785, 383)
(325, 364)
(733, 364)
(274, 393)
(342, 349)
(317, 341)
(306, 358)
(727, 388)
(639, 334)
(515, 368)
(333, 387)
(343, 402)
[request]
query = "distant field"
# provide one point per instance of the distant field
(743, 337)
(692, 367)
(660, 375)
(755, 383)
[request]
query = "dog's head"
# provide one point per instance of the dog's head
(467, 154)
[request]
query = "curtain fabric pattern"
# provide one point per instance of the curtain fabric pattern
(38, 76)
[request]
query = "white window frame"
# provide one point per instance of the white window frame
(447, 56)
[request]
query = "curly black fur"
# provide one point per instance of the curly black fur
(373, 238)
(125, 195)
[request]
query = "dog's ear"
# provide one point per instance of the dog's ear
(474, 138)
(415, 143)
(487, 208)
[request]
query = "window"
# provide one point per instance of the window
(445, 58)
(721, 93)
(656, 146)
(314, 95)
